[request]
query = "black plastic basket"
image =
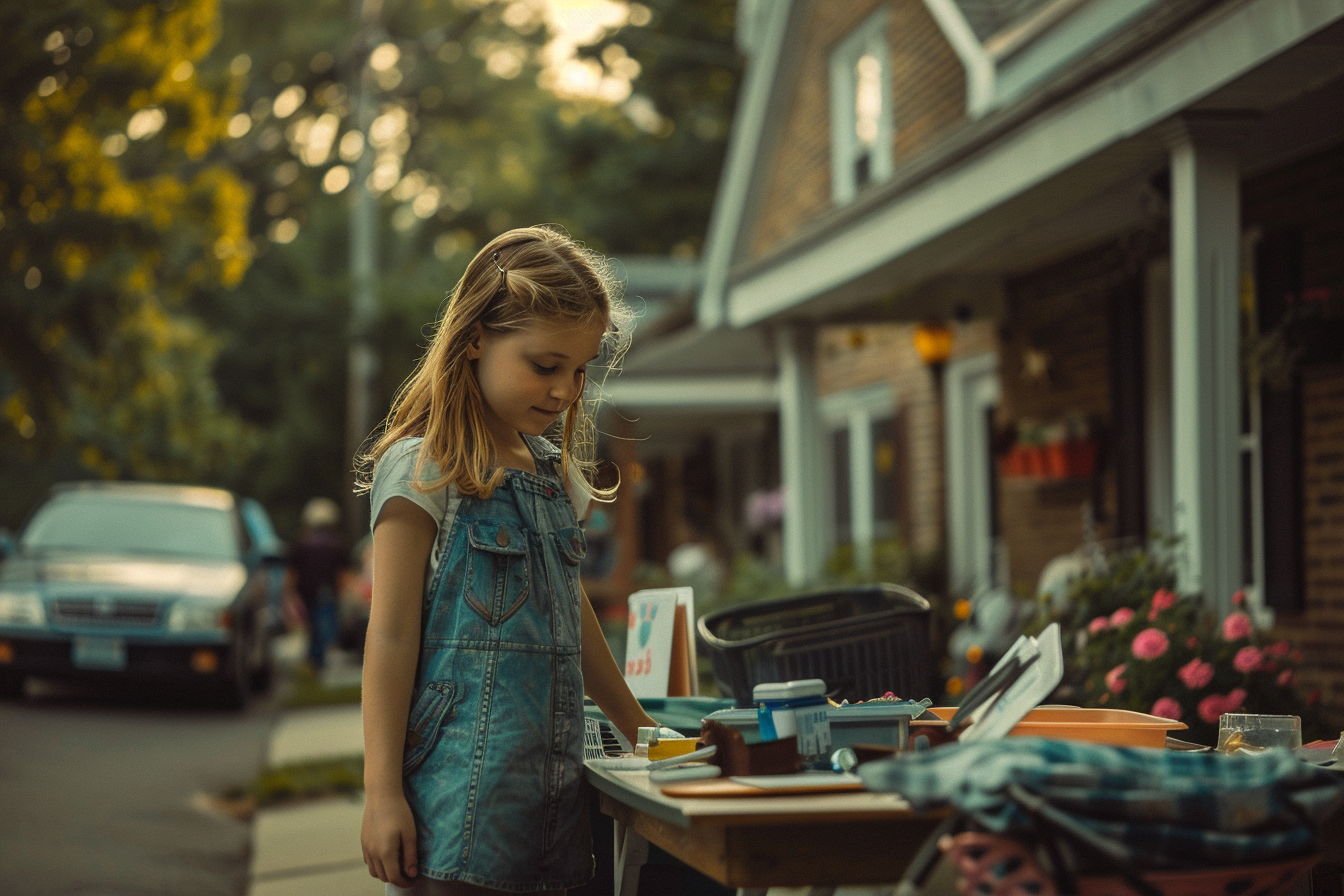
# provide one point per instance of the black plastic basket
(862, 641)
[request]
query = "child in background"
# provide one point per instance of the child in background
(481, 642)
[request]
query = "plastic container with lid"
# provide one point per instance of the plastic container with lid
(796, 708)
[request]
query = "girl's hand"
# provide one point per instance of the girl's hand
(989, 865)
(387, 837)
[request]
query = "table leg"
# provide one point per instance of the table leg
(630, 853)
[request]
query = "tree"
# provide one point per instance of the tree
(112, 211)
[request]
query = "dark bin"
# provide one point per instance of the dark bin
(862, 641)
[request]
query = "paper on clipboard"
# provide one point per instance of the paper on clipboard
(999, 714)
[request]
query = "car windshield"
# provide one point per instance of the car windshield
(117, 525)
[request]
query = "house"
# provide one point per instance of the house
(1128, 215)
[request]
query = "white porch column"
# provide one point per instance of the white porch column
(805, 543)
(1205, 371)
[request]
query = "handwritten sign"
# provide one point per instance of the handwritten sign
(657, 642)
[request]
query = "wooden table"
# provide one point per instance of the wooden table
(757, 842)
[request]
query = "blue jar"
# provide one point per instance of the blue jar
(796, 708)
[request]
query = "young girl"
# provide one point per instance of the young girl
(481, 644)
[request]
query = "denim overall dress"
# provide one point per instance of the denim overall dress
(494, 743)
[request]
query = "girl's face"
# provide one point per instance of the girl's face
(531, 375)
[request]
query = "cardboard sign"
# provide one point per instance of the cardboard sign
(659, 647)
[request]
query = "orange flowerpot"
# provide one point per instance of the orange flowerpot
(1082, 458)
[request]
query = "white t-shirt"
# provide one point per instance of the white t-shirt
(394, 476)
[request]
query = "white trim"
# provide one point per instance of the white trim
(1116, 109)
(967, 384)
(730, 199)
(978, 64)
(746, 392)
(877, 400)
(802, 457)
(868, 38)
(1206, 412)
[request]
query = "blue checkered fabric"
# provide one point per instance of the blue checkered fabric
(1145, 808)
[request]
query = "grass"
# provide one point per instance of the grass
(295, 783)
(306, 689)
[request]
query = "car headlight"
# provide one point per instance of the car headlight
(22, 608)
(196, 616)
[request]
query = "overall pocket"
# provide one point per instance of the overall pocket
(433, 708)
(573, 545)
(497, 577)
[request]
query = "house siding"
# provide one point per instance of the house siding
(929, 91)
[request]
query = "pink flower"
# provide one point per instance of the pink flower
(1192, 642)
(1278, 648)
(1246, 660)
(1120, 618)
(1114, 682)
(1097, 625)
(1210, 708)
(1195, 674)
(1149, 644)
(1214, 705)
(1162, 600)
(1236, 626)
(1239, 599)
(1167, 708)
(1285, 678)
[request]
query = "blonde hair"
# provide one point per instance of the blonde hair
(546, 277)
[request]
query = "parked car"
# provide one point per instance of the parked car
(115, 580)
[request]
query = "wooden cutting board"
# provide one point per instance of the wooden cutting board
(719, 787)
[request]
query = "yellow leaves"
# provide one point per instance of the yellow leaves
(119, 200)
(92, 457)
(138, 279)
(53, 337)
(72, 257)
(16, 410)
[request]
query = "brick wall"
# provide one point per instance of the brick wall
(1059, 312)
(929, 91)
(1319, 632)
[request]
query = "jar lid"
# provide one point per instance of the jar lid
(785, 690)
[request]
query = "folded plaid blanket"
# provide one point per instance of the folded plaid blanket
(1144, 808)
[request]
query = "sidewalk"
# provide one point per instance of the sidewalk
(312, 849)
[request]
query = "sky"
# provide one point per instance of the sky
(578, 22)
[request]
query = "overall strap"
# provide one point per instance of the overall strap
(546, 455)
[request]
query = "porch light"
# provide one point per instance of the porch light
(933, 342)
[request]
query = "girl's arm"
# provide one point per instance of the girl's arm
(402, 539)
(604, 682)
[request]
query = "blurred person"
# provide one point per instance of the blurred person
(480, 632)
(317, 560)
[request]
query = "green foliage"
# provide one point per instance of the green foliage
(113, 210)
(307, 780)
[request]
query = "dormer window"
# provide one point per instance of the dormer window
(861, 119)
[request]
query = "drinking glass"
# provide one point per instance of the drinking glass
(1241, 731)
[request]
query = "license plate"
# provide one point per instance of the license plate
(99, 653)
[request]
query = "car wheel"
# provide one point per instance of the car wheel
(263, 675)
(11, 685)
(230, 690)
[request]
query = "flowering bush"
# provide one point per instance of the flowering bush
(1131, 642)
(1169, 659)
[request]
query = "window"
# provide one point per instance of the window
(863, 463)
(861, 115)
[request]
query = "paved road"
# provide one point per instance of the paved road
(101, 793)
